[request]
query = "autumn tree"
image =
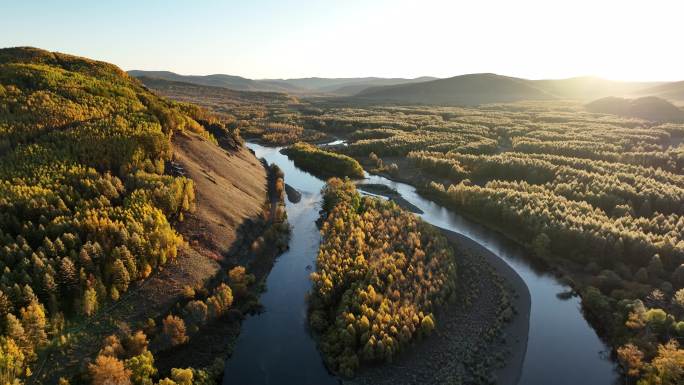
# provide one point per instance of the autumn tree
(12, 361)
(108, 370)
(173, 331)
(34, 322)
(631, 359)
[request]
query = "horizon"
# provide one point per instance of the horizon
(410, 78)
(269, 40)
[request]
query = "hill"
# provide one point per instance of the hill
(589, 88)
(190, 92)
(648, 108)
(98, 177)
(459, 90)
(347, 86)
(671, 91)
(298, 86)
(218, 80)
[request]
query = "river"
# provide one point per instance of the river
(275, 347)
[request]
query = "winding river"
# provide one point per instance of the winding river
(275, 347)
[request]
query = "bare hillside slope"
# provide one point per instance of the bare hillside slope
(229, 186)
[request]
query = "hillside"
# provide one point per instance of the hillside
(101, 184)
(589, 88)
(299, 86)
(648, 108)
(459, 90)
(671, 91)
(190, 92)
(347, 86)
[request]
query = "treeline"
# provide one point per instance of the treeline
(322, 162)
(380, 274)
(85, 207)
(609, 188)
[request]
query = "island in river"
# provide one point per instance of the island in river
(459, 348)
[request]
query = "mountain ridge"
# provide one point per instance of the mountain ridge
(468, 89)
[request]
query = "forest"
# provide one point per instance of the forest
(598, 197)
(87, 210)
(380, 273)
(323, 163)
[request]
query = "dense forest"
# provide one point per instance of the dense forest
(380, 274)
(323, 163)
(597, 196)
(86, 205)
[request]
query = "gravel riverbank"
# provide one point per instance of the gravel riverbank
(468, 346)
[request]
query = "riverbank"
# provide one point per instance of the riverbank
(517, 330)
(389, 193)
(255, 244)
(470, 343)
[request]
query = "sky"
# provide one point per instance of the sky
(535, 39)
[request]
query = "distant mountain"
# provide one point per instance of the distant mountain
(460, 90)
(206, 95)
(649, 108)
(219, 80)
(300, 86)
(347, 86)
(589, 88)
(672, 91)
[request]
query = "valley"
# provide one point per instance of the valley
(163, 229)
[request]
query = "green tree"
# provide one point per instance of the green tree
(142, 368)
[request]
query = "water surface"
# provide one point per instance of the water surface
(275, 347)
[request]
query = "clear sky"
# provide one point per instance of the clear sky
(625, 40)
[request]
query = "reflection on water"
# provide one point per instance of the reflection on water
(562, 347)
(275, 347)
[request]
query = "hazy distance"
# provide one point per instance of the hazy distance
(532, 39)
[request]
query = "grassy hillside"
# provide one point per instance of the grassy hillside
(460, 90)
(648, 108)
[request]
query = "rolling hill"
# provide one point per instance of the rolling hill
(589, 88)
(189, 92)
(649, 108)
(299, 86)
(218, 80)
(671, 91)
(469, 89)
(347, 86)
